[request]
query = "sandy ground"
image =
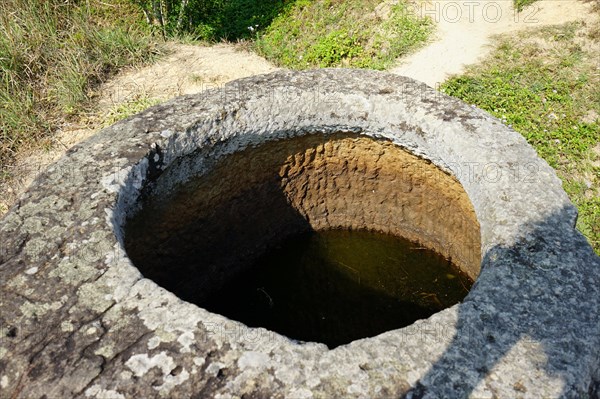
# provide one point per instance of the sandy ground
(464, 35)
(465, 30)
(187, 70)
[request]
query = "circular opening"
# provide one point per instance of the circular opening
(325, 238)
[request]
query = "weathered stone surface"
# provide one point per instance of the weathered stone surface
(78, 320)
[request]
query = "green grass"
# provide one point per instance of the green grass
(52, 53)
(334, 33)
(521, 4)
(545, 84)
(128, 108)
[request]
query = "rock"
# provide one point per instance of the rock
(79, 320)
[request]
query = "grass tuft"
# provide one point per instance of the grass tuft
(127, 109)
(521, 4)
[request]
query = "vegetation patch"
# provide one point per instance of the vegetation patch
(521, 4)
(210, 19)
(333, 33)
(127, 109)
(544, 83)
(52, 53)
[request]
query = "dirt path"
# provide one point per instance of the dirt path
(465, 30)
(188, 70)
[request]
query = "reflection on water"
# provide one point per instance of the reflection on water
(337, 286)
